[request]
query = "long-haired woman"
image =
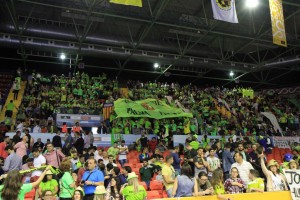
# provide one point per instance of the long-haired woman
(113, 189)
(185, 185)
(217, 184)
(13, 189)
(133, 190)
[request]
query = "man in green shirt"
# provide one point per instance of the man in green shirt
(9, 109)
(114, 150)
(256, 184)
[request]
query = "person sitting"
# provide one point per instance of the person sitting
(78, 194)
(234, 184)
(217, 184)
(132, 189)
(144, 155)
(204, 186)
(48, 195)
(48, 183)
(256, 183)
(185, 185)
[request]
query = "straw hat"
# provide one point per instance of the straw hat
(79, 189)
(272, 163)
(49, 172)
(291, 161)
(132, 175)
(100, 190)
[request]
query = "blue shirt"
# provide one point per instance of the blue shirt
(96, 176)
(176, 163)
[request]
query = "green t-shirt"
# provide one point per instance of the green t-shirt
(49, 185)
(258, 183)
(129, 193)
(219, 189)
(113, 151)
(10, 106)
(24, 189)
(65, 190)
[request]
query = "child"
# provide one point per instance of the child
(257, 184)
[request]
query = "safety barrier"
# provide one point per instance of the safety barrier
(286, 195)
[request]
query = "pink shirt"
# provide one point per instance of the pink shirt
(21, 149)
(53, 159)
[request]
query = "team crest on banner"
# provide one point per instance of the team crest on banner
(278, 28)
(224, 10)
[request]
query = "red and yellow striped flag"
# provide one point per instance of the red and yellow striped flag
(108, 108)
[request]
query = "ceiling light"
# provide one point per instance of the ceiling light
(251, 3)
(231, 74)
(62, 56)
(156, 65)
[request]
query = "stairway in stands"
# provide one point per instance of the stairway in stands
(16, 102)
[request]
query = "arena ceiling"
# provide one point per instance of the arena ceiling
(125, 41)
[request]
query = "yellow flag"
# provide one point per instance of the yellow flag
(137, 3)
(278, 28)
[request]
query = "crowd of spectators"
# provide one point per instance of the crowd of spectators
(194, 168)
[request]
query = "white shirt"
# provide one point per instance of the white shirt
(36, 129)
(20, 127)
(97, 156)
(244, 170)
(37, 162)
(122, 155)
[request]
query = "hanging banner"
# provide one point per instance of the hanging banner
(248, 93)
(137, 3)
(151, 108)
(273, 120)
(293, 179)
(108, 108)
(283, 142)
(278, 28)
(224, 10)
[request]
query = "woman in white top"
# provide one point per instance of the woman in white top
(275, 180)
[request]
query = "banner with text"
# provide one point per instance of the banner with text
(278, 28)
(293, 179)
(84, 120)
(151, 108)
(283, 142)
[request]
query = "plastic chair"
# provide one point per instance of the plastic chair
(144, 185)
(153, 195)
(156, 185)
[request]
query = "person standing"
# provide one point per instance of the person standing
(21, 147)
(200, 162)
(79, 143)
(113, 151)
(38, 161)
(176, 163)
(9, 109)
(56, 140)
(13, 161)
(3, 144)
(91, 179)
(227, 160)
(53, 156)
(66, 183)
(243, 167)
(146, 173)
(213, 162)
(132, 189)
(87, 140)
(168, 173)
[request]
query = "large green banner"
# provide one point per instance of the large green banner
(151, 108)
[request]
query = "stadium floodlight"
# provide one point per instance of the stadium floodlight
(251, 3)
(231, 74)
(156, 65)
(62, 56)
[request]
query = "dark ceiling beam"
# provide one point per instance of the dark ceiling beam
(149, 21)
(127, 69)
(261, 35)
(145, 31)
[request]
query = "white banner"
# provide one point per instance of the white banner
(293, 179)
(273, 120)
(224, 10)
(283, 142)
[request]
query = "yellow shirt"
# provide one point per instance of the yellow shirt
(168, 171)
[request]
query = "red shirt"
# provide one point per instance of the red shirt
(152, 144)
(3, 153)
